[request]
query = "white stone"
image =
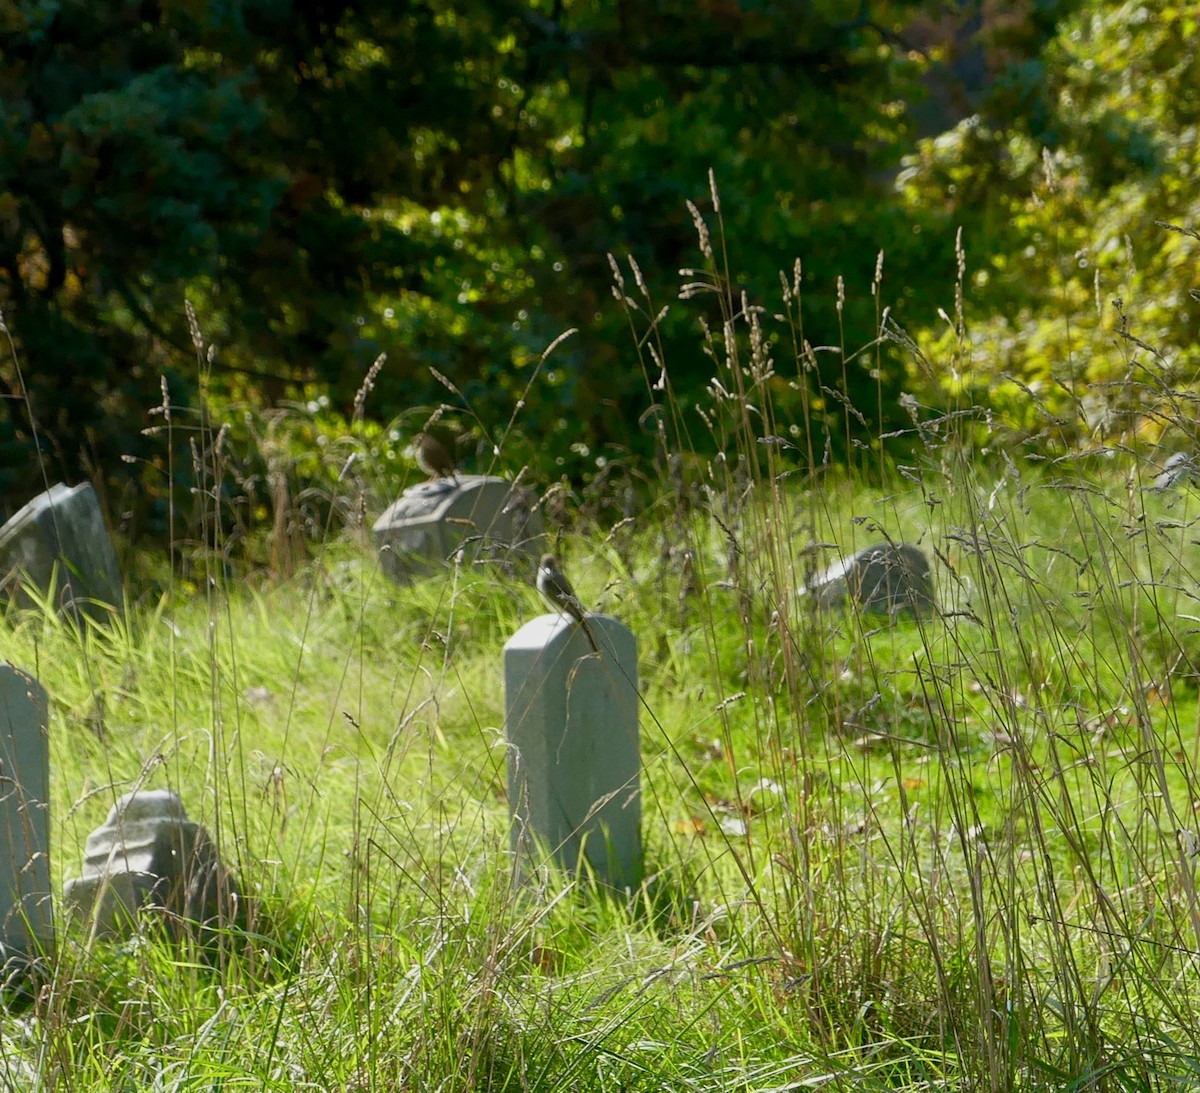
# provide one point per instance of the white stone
(26, 913)
(574, 765)
(59, 544)
(1180, 467)
(483, 516)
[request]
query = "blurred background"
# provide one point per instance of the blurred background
(443, 183)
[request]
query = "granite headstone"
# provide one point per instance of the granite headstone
(478, 516)
(58, 544)
(574, 766)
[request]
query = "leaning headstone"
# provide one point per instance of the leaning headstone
(26, 922)
(574, 767)
(881, 580)
(148, 856)
(480, 516)
(59, 545)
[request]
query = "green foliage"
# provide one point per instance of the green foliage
(328, 183)
(445, 186)
(1077, 286)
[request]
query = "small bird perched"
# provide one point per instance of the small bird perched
(433, 457)
(556, 590)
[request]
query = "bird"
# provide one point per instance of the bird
(556, 590)
(433, 457)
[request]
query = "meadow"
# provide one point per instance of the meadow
(956, 851)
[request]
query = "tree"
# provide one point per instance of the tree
(442, 182)
(618, 113)
(1062, 202)
(225, 150)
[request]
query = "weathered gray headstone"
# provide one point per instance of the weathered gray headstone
(483, 516)
(574, 765)
(881, 580)
(149, 855)
(59, 544)
(26, 918)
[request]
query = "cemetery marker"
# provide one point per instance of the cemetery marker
(26, 922)
(59, 543)
(483, 516)
(149, 855)
(574, 767)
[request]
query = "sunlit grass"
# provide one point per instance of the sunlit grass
(955, 850)
(932, 850)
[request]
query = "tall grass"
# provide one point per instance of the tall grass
(953, 851)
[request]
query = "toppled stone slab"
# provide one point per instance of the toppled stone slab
(59, 545)
(482, 516)
(881, 580)
(149, 857)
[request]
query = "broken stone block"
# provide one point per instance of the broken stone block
(481, 516)
(148, 857)
(881, 580)
(59, 545)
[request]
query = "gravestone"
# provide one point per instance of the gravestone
(59, 545)
(882, 580)
(574, 766)
(482, 516)
(26, 920)
(149, 856)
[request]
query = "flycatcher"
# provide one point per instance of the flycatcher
(556, 590)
